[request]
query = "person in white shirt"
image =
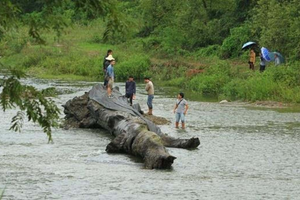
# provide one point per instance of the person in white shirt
(180, 110)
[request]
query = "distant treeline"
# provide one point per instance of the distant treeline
(169, 27)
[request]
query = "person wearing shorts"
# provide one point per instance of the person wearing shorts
(180, 110)
(110, 77)
(150, 91)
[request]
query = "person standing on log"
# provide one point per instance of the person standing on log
(110, 75)
(150, 90)
(106, 64)
(130, 89)
(180, 109)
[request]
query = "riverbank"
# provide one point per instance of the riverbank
(79, 55)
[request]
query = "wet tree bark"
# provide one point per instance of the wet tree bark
(131, 133)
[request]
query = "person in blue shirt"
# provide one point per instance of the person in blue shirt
(130, 89)
(106, 64)
(110, 76)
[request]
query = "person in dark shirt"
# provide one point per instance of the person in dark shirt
(106, 63)
(130, 89)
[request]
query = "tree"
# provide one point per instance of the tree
(40, 15)
(58, 14)
(277, 25)
(32, 103)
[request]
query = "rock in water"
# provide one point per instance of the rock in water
(224, 101)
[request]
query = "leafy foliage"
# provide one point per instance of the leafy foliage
(177, 30)
(8, 12)
(32, 103)
(58, 14)
(136, 66)
(212, 80)
(277, 24)
(231, 46)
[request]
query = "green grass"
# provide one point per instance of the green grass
(78, 55)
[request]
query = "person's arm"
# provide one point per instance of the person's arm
(176, 105)
(134, 91)
(186, 108)
(147, 87)
(126, 86)
(134, 88)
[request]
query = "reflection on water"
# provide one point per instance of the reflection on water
(244, 154)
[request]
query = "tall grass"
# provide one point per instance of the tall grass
(238, 83)
(78, 55)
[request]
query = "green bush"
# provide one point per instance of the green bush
(212, 50)
(288, 75)
(13, 42)
(136, 66)
(232, 45)
(177, 82)
(34, 57)
(291, 94)
(276, 83)
(259, 87)
(212, 80)
(150, 43)
(208, 84)
(75, 64)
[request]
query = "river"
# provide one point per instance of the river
(245, 153)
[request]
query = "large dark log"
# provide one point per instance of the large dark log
(131, 131)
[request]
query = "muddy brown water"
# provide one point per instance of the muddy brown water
(244, 154)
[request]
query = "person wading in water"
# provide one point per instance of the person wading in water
(180, 110)
(150, 90)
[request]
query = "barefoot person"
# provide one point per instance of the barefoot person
(130, 89)
(180, 109)
(110, 75)
(150, 91)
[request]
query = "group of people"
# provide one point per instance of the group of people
(181, 105)
(263, 62)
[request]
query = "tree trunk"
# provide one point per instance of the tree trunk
(131, 133)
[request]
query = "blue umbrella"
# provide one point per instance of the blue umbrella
(268, 56)
(248, 44)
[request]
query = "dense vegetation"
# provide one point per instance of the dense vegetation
(163, 39)
(35, 16)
